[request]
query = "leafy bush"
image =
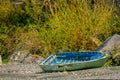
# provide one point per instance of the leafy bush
(73, 23)
(55, 25)
(114, 60)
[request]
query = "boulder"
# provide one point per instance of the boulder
(111, 44)
(32, 59)
(24, 57)
(18, 56)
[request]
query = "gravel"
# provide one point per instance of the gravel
(21, 68)
(34, 72)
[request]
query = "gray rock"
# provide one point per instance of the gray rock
(18, 57)
(111, 44)
(32, 59)
(25, 57)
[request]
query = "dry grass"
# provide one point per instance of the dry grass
(56, 26)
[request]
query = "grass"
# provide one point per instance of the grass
(55, 26)
(5, 60)
(72, 25)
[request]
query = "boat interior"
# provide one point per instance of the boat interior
(72, 57)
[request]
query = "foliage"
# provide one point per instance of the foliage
(49, 26)
(114, 60)
(73, 24)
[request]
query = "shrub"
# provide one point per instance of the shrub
(55, 25)
(73, 23)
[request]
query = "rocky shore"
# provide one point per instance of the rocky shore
(34, 72)
(24, 66)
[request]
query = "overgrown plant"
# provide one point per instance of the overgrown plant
(73, 23)
(55, 25)
(114, 59)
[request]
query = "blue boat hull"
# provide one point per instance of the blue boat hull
(67, 61)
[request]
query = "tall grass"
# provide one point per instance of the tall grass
(55, 26)
(73, 23)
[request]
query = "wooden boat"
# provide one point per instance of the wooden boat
(66, 61)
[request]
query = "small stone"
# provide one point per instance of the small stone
(65, 72)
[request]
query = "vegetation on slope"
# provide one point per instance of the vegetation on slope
(50, 26)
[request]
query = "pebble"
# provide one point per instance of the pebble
(34, 72)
